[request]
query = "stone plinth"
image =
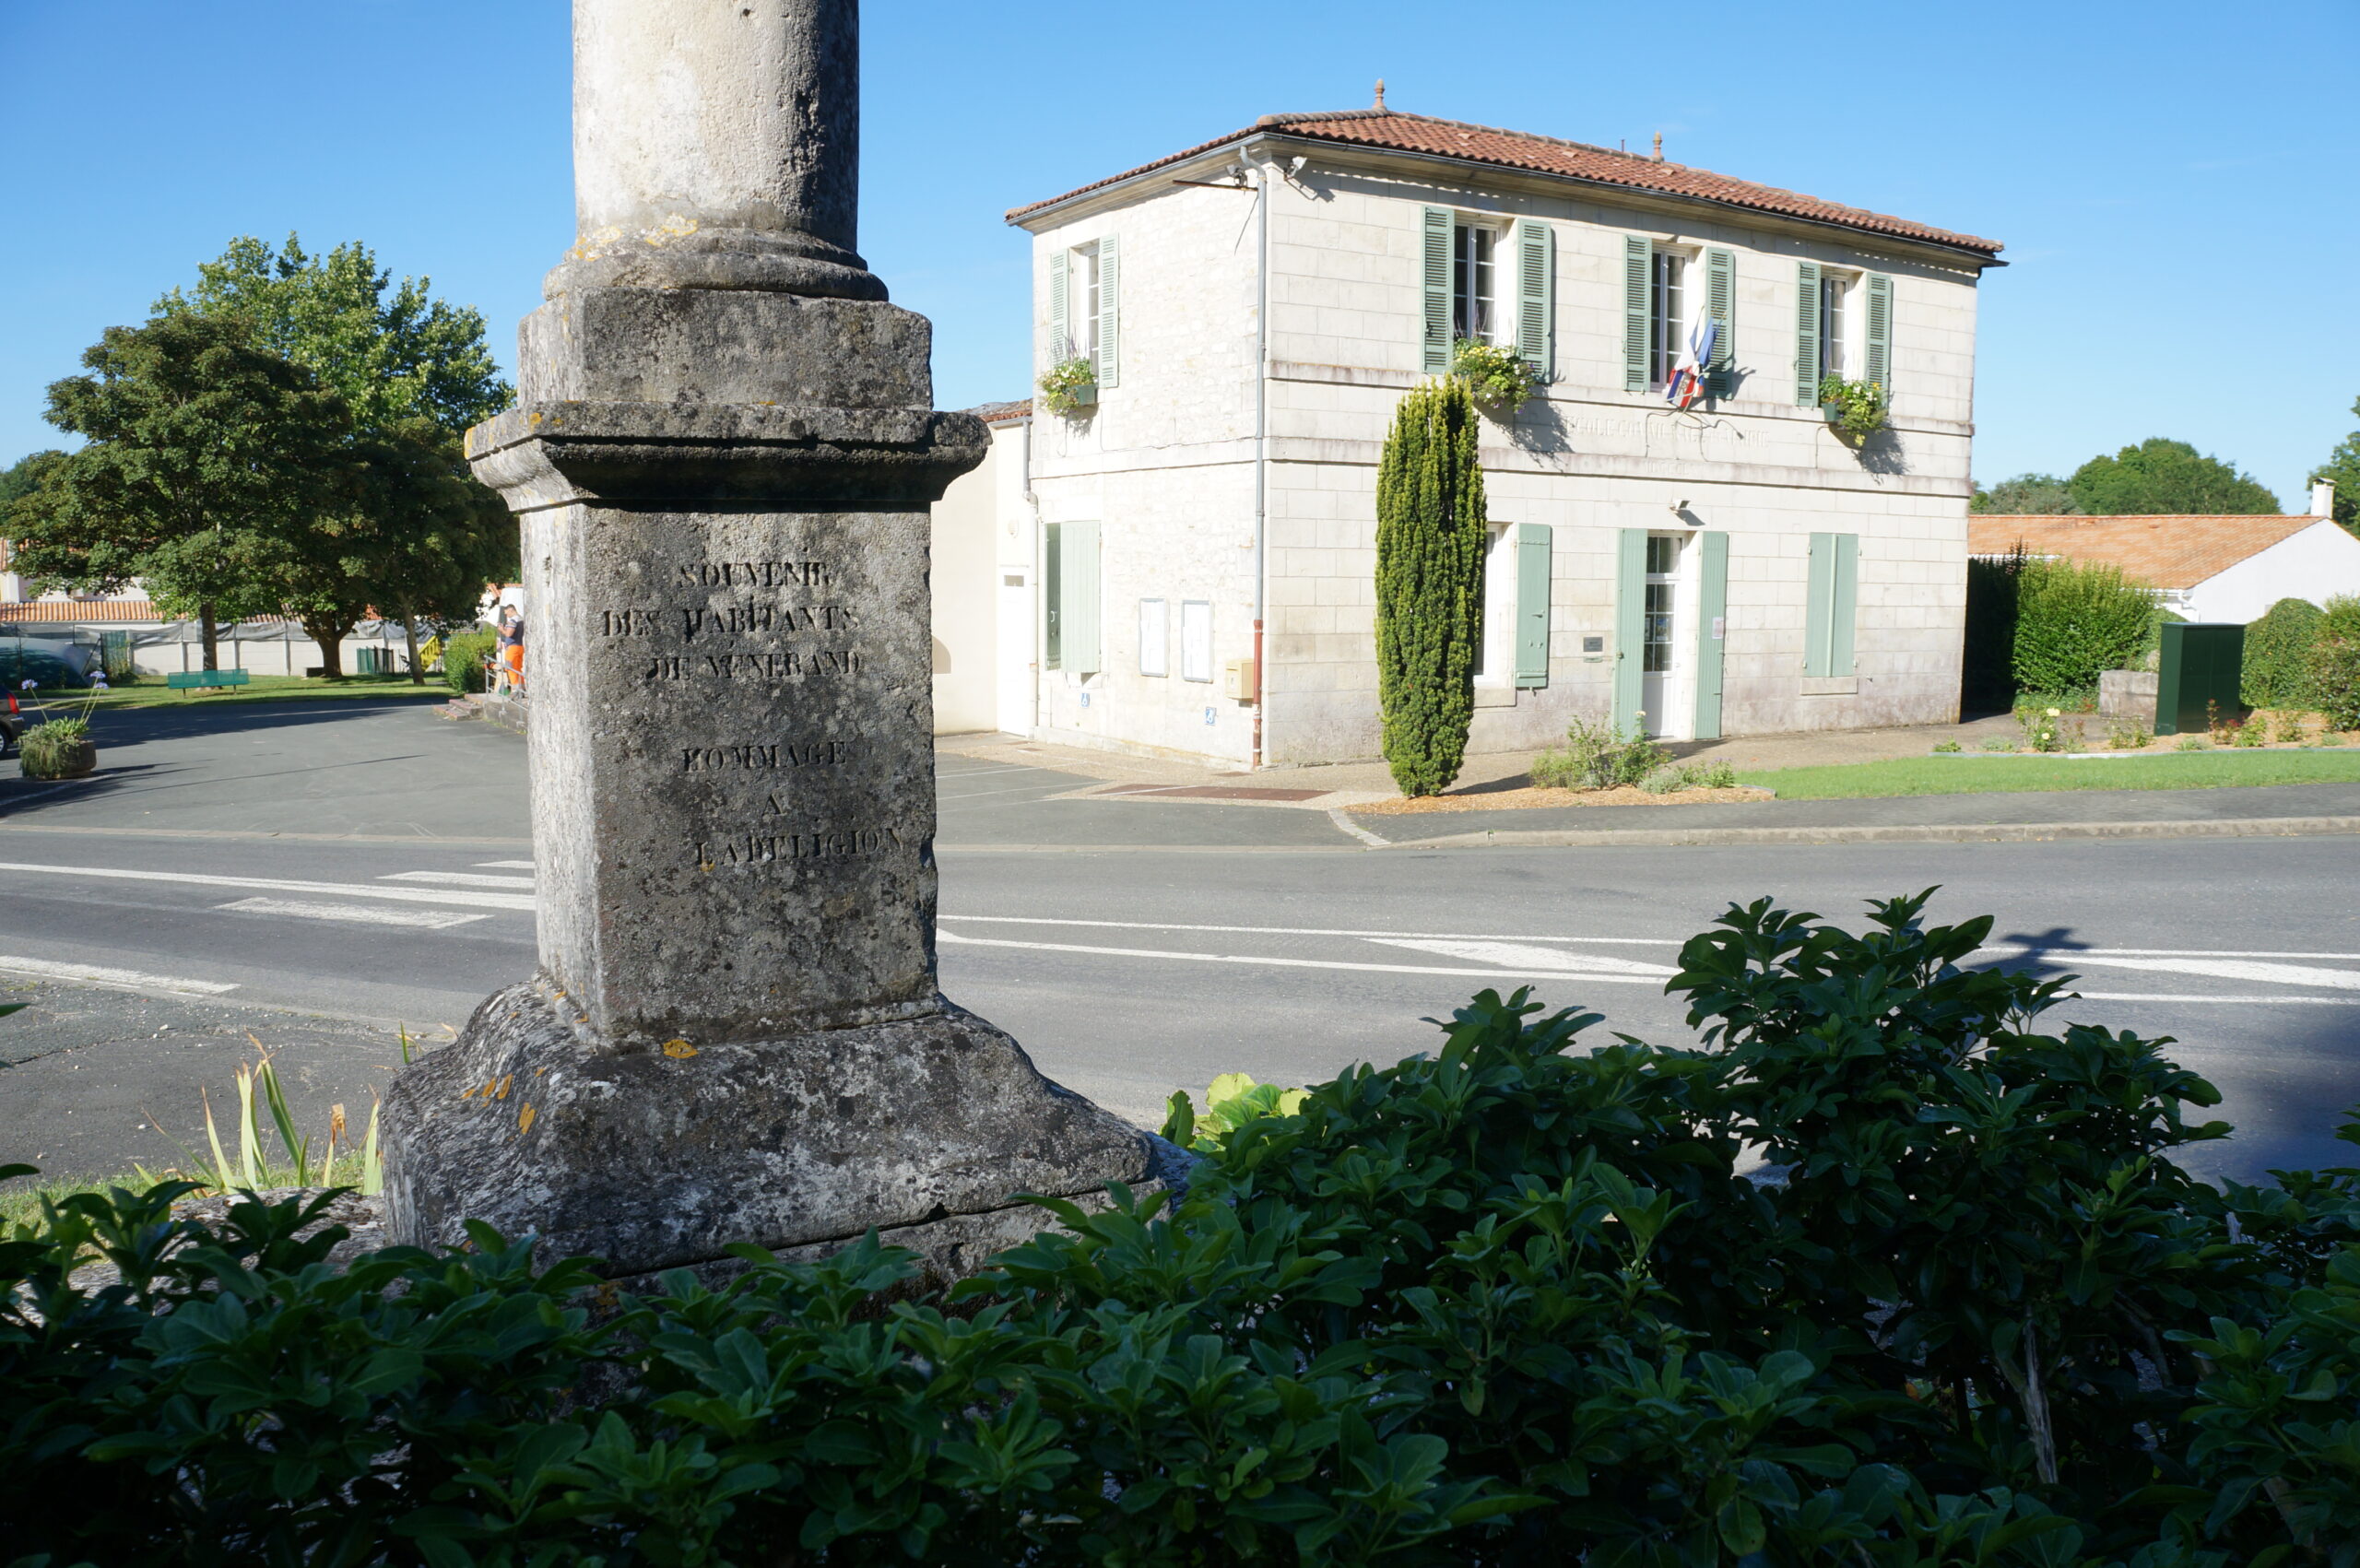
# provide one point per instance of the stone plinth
(723, 464)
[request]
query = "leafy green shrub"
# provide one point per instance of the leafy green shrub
(1692, 775)
(1597, 756)
(2278, 655)
(2074, 619)
(2335, 664)
(1518, 1300)
(53, 750)
(463, 656)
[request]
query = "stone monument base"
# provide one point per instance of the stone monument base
(927, 1129)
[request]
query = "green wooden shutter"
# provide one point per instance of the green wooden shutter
(1638, 259)
(1532, 603)
(1846, 607)
(1077, 575)
(1436, 344)
(1536, 295)
(1059, 336)
(1052, 593)
(1720, 299)
(1109, 329)
(1807, 333)
(1880, 335)
(1833, 605)
(1712, 616)
(1819, 612)
(1630, 621)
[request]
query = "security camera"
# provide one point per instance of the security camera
(1294, 164)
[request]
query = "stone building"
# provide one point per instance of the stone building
(1202, 532)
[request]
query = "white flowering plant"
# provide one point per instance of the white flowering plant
(1069, 384)
(1496, 377)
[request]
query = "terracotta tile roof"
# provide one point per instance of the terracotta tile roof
(1392, 130)
(80, 611)
(1001, 413)
(2163, 552)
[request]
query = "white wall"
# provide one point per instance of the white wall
(2317, 564)
(962, 572)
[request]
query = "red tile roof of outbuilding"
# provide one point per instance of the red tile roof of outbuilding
(2160, 551)
(1391, 130)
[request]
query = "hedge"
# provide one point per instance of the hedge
(2278, 655)
(2074, 619)
(463, 656)
(2335, 663)
(1519, 1299)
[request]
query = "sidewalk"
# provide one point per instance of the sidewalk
(1169, 802)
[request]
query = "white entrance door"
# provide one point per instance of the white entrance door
(1665, 674)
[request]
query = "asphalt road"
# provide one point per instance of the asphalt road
(311, 877)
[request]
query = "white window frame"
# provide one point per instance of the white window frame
(1495, 651)
(1843, 323)
(1473, 313)
(1668, 329)
(1081, 303)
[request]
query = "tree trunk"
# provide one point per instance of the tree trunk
(409, 633)
(329, 635)
(211, 631)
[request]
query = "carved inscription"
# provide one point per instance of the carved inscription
(824, 844)
(754, 574)
(766, 757)
(737, 621)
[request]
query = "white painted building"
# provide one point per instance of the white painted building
(1198, 575)
(2202, 568)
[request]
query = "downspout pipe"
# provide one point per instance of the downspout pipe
(1258, 152)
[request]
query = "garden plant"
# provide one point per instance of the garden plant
(1431, 527)
(1884, 1269)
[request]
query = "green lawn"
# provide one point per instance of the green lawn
(2013, 775)
(151, 692)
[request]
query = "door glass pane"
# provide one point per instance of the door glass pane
(1050, 586)
(1659, 645)
(1663, 554)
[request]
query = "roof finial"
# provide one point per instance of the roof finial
(1380, 93)
(1659, 147)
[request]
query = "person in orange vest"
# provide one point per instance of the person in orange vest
(512, 646)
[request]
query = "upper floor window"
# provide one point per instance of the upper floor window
(1835, 293)
(1084, 273)
(1474, 282)
(1667, 315)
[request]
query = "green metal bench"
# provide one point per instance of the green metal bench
(205, 679)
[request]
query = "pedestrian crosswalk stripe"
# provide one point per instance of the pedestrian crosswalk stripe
(353, 914)
(457, 878)
(97, 974)
(505, 865)
(465, 898)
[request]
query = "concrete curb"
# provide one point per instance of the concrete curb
(1899, 832)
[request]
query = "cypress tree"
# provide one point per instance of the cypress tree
(1430, 532)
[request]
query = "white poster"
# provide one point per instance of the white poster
(1156, 637)
(1196, 640)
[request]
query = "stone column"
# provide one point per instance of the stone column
(722, 462)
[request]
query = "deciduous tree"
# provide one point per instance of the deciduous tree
(204, 455)
(2164, 477)
(1429, 536)
(2025, 495)
(2342, 469)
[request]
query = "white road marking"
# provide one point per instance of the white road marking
(2059, 954)
(1010, 789)
(457, 878)
(1547, 960)
(1554, 973)
(1555, 970)
(505, 865)
(2231, 969)
(1312, 931)
(985, 772)
(462, 897)
(427, 919)
(94, 975)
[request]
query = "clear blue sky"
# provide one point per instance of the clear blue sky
(2175, 181)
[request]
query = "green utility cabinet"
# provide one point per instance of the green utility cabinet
(2202, 671)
